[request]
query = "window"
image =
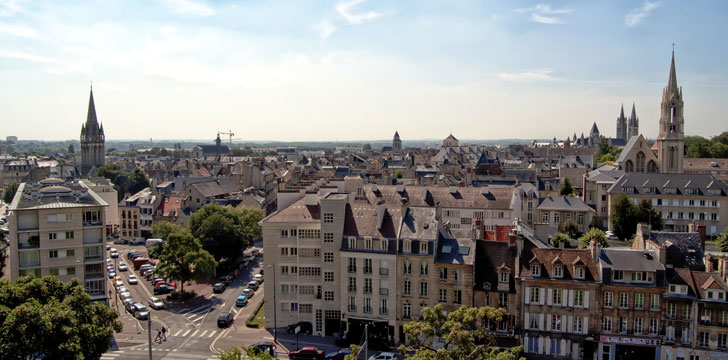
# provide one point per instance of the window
(424, 247)
(328, 257)
(423, 268)
(671, 310)
(457, 297)
(580, 219)
(545, 218)
(407, 267)
(669, 333)
(639, 301)
(705, 316)
(284, 270)
(352, 303)
(52, 236)
(654, 326)
(578, 326)
(579, 273)
(54, 271)
(69, 234)
(642, 276)
(352, 243)
(535, 295)
(328, 217)
(623, 325)
(284, 251)
(678, 289)
(533, 323)
(70, 253)
(407, 288)
(503, 277)
(623, 300)
(367, 285)
(503, 300)
(352, 284)
(685, 335)
(618, 275)
(557, 218)
(536, 270)
(443, 295)
(607, 324)
(608, 299)
(328, 296)
(458, 275)
(352, 265)
(686, 311)
(723, 341)
(558, 271)
(53, 254)
(556, 322)
(579, 298)
(328, 276)
(407, 310)
(703, 338)
(406, 246)
(367, 266)
(556, 297)
(637, 326)
(328, 237)
(533, 345)
(368, 243)
(383, 308)
(443, 275)
(423, 289)
(384, 244)
(305, 308)
(655, 301)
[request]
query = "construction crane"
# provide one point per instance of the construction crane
(230, 135)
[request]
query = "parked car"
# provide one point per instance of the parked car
(122, 288)
(133, 279)
(138, 262)
(261, 271)
(224, 320)
(113, 253)
(132, 253)
(265, 347)
(141, 312)
(163, 290)
(258, 278)
(383, 356)
(308, 352)
(123, 266)
(159, 281)
(338, 355)
(112, 274)
(129, 304)
(253, 285)
(118, 283)
(227, 279)
(241, 301)
(306, 327)
(155, 303)
(248, 292)
(218, 288)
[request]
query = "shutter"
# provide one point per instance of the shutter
(586, 325)
(586, 299)
(540, 321)
(571, 298)
(526, 322)
(547, 346)
(548, 322)
(540, 345)
(549, 296)
(564, 297)
(541, 296)
(569, 323)
(528, 295)
(525, 344)
(563, 347)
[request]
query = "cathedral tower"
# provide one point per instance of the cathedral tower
(622, 126)
(671, 135)
(92, 139)
(634, 124)
(396, 142)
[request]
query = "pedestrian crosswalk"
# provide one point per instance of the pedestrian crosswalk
(196, 315)
(167, 354)
(194, 333)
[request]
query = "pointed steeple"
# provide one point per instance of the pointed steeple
(672, 82)
(594, 129)
(91, 121)
(633, 116)
(621, 113)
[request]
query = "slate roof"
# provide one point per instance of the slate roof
(361, 220)
(548, 258)
(456, 251)
(686, 249)
(210, 188)
(701, 182)
(681, 276)
(499, 197)
(490, 256)
(419, 223)
(630, 144)
(296, 212)
(630, 260)
(564, 203)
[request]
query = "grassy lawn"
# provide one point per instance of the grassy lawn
(260, 317)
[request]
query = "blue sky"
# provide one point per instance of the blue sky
(356, 69)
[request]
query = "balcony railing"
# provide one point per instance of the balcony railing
(92, 241)
(383, 311)
(28, 245)
(93, 223)
(383, 291)
(352, 308)
(352, 289)
(94, 275)
(383, 271)
(92, 257)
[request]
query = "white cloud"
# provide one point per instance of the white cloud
(24, 56)
(10, 7)
(325, 29)
(528, 75)
(189, 7)
(168, 30)
(544, 9)
(550, 20)
(344, 10)
(635, 16)
(18, 30)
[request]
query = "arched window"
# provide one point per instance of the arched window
(651, 167)
(640, 162)
(671, 157)
(629, 166)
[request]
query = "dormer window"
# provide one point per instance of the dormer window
(536, 270)
(618, 275)
(579, 273)
(368, 242)
(423, 247)
(716, 295)
(670, 190)
(691, 191)
(352, 243)
(641, 276)
(503, 277)
(406, 246)
(558, 271)
(678, 289)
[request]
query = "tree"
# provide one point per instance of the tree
(627, 215)
(223, 231)
(182, 258)
(70, 149)
(138, 180)
(398, 174)
(46, 316)
(3, 254)
(461, 332)
(592, 234)
(163, 229)
(366, 147)
(644, 212)
(559, 237)
(697, 147)
(722, 240)
(570, 228)
(9, 193)
(243, 353)
(566, 188)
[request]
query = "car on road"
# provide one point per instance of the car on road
(156, 303)
(306, 327)
(125, 295)
(129, 304)
(112, 274)
(122, 288)
(133, 279)
(218, 288)
(248, 292)
(307, 352)
(258, 278)
(123, 266)
(225, 319)
(113, 253)
(253, 285)
(264, 347)
(610, 236)
(108, 247)
(227, 279)
(338, 355)
(140, 311)
(118, 284)
(163, 290)
(132, 254)
(241, 301)
(383, 356)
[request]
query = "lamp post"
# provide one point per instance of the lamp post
(275, 307)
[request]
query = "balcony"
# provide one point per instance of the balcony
(367, 309)
(93, 223)
(352, 289)
(383, 311)
(92, 258)
(92, 241)
(383, 291)
(383, 271)
(352, 308)
(32, 242)
(94, 275)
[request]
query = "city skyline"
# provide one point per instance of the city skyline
(287, 72)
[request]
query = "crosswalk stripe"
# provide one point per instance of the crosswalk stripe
(186, 332)
(212, 333)
(178, 332)
(195, 333)
(203, 333)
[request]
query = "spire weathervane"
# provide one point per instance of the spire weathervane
(673, 48)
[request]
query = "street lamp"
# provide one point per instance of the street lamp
(275, 307)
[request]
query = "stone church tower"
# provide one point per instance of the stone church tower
(621, 126)
(671, 136)
(634, 124)
(396, 142)
(92, 140)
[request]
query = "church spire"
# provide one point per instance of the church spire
(672, 82)
(91, 121)
(621, 113)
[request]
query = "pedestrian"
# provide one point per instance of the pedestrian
(159, 336)
(164, 333)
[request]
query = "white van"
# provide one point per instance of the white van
(154, 241)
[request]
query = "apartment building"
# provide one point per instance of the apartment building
(555, 211)
(57, 228)
(495, 286)
(596, 186)
(559, 288)
(105, 189)
(630, 302)
(137, 215)
(682, 198)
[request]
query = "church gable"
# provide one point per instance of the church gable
(637, 156)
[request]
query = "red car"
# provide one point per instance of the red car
(308, 352)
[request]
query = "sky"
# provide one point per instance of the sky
(356, 69)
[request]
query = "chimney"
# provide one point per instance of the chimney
(561, 244)
(662, 254)
(310, 199)
(700, 228)
(381, 209)
(453, 189)
(643, 234)
(595, 249)
(484, 190)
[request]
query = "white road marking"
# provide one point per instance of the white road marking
(212, 333)
(186, 332)
(178, 332)
(195, 333)
(203, 333)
